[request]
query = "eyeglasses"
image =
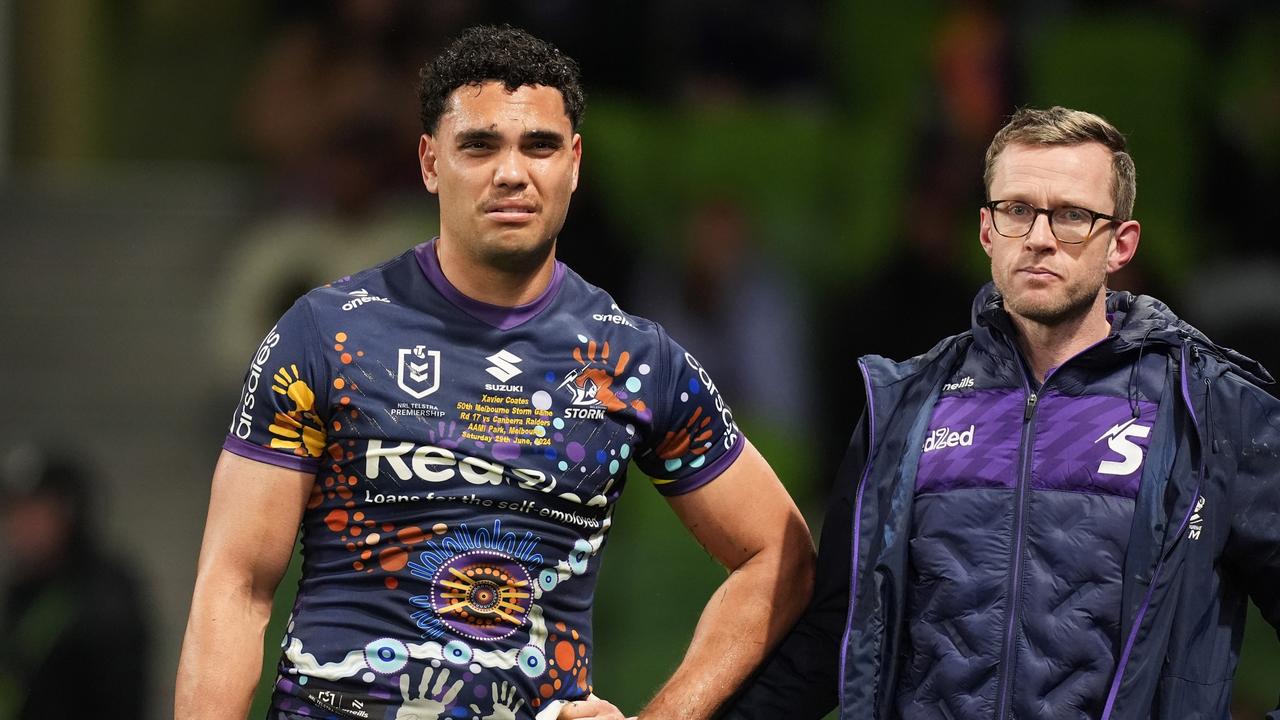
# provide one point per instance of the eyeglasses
(1070, 225)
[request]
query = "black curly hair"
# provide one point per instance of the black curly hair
(504, 54)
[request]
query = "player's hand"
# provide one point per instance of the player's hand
(590, 709)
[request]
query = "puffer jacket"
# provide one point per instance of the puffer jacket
(1085, 548)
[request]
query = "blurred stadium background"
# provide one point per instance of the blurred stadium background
(785, 185)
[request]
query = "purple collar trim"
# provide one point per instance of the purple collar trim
(503, 318)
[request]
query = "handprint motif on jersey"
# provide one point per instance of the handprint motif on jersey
(299, 429)
(694, 432)
(445, 436)
(427, 706)
(506, 703)
(592, 383)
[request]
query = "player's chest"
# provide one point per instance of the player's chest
(427, 402)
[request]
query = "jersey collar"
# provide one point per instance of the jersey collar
(498, 316)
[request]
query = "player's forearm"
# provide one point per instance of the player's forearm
(743, 621)
(221, 659)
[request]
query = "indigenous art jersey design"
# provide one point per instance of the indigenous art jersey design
(467, 459)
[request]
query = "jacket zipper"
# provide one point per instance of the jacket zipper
(1005, 687)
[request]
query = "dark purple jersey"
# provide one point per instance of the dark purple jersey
(467, 460)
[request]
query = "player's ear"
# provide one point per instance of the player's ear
(577, 158)
(427, 161)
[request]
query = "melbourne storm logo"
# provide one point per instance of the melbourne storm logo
(1118, 440)
(583, 387)
(418, 371)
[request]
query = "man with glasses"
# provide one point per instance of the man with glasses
(1060, 513)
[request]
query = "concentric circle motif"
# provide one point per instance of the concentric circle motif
(548, 579)
(531, 661)
(482, 594)
(579, 556)
(386, 656)
(457, 652)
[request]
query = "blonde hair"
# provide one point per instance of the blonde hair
(1063, 126)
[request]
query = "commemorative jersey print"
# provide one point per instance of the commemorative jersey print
(467, 462)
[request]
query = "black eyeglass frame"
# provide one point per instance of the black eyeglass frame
(990, 205)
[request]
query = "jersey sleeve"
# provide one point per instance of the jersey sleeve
(281, 415)
(693, 438)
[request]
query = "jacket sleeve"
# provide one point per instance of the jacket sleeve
(1253, 547)
(801, 679)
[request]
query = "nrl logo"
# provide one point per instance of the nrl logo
(418, 371)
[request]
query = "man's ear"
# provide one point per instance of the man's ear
(1124, 244)
(577, 158)
(985, 228)
(427, 161)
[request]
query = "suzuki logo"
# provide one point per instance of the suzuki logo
(418, 371)
(1118, 440)
(504, 365)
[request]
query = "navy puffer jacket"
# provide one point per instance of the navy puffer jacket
(1084, 548)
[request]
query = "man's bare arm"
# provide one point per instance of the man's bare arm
(749, 523)
(254, 510)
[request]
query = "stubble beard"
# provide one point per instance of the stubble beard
(525, 256)
(518, 259)
(1075, 302)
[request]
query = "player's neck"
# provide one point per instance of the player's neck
(493, 284)
(1047, 346)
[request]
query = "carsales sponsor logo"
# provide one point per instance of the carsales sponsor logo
(726, 415)
(242, 423)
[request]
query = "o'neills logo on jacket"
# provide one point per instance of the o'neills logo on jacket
(945, 437)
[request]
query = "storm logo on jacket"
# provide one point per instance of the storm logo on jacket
(1118, 440)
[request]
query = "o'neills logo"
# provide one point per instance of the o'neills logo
(962, 384)
(360, 297)
(616, 317)
(945, 437)
(242, 423)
